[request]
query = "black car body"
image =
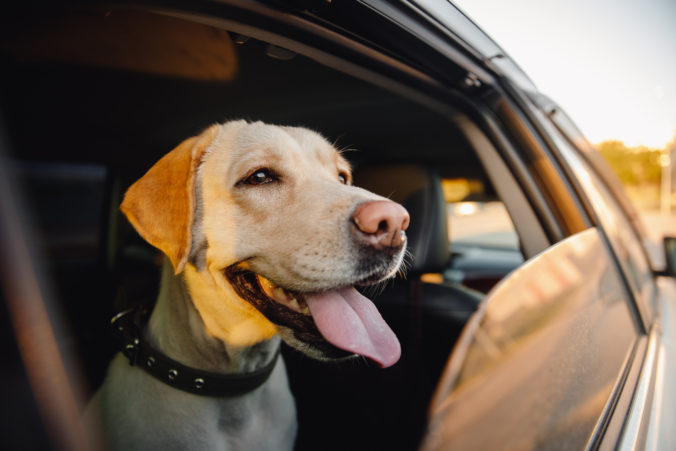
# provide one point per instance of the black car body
(561, 338)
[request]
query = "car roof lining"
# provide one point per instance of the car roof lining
(91, 114)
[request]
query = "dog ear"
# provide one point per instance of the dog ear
(161, 204)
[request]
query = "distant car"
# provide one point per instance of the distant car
(528, 265)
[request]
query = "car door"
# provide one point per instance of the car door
(542, 362)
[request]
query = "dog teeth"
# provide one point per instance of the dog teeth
(282, 296)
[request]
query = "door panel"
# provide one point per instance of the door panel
(540, 360)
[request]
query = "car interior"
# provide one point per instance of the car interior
(83, 125)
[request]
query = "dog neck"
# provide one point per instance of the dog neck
(177, 329)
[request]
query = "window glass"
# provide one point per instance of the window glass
(624, 241)
(484, 244)
(537, 366)
(485, 224)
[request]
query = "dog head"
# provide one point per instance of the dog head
(263, 223)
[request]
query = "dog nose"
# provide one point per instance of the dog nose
(381, 223)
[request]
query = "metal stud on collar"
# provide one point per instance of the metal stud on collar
(172, 374)
(199, 382)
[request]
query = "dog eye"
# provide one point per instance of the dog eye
(342, 177)
(260, 177)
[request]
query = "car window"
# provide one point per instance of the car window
(484, 243)
(625, 242)
(475, 219)
(537, 366)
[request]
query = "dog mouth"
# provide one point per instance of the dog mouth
(334, 324)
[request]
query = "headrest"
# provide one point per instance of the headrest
(418, 189)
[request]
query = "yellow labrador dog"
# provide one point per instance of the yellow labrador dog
(265, 238)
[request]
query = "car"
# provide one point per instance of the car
(531, 314)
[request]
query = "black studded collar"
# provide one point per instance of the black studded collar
(128, 325)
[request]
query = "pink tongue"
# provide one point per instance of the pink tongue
(351, 322)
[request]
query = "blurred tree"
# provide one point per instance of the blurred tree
(671, 149)
(633, 165)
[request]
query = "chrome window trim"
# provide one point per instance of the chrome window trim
(658, 427)
(634, 432)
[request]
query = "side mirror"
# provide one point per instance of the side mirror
(670, 255)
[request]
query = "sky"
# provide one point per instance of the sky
(611, 65)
